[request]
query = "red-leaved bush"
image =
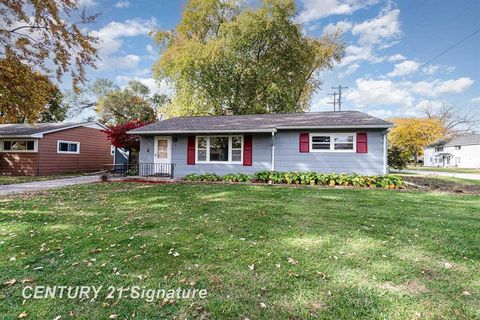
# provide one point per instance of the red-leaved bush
(118, 136)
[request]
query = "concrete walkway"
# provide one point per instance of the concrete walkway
(468, 176)
(45, 185)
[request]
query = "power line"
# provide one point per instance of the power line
(451, 47)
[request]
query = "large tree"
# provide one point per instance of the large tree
(47, 36)
(455, 121)
(24, 93)
(224, 57)
(120, 106)
(411, 135)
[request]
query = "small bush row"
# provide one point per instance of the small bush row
(305, 178)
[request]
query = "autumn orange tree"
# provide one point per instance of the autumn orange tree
(411, 135)
(24, 93)
(39, 37)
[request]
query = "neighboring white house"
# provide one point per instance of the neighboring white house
(460, 152)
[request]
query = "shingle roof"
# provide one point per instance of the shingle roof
(265, 122)
(25, 130)
(457, 141)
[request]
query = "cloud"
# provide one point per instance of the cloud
(396, 57)
(438, 87)
(342, 26)
(404, 68)
(350, 70)
(475, 100)
(122, 4)
(373, 34)
(385, 26)
(359, 53)
(87, 3)
(434, 68)
(155, 86)
(111, 35)
(315, 9)
(129, 61)
(374, 92)
(379, 92)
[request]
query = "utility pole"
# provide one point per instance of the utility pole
(339, 101)
(334, 102)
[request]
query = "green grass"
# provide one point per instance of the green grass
(452, 170)
(22, 179)
(317, 253)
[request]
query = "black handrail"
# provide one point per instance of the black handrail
(164, 170)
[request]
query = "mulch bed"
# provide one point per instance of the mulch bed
(432, 184)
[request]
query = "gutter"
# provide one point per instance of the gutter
(262, 130)
(201, 131)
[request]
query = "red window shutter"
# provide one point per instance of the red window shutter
(362, 142)
(304, 142)
(191, 150)
(247, 151)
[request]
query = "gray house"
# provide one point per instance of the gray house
(341, 142)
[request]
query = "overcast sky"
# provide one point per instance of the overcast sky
(388, 46)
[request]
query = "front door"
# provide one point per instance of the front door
(163, 155)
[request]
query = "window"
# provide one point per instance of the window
(458, 147)
(339, 142)
(68, 147)
(19, 146)
(220, 149)
(438, 149)
(457, 160)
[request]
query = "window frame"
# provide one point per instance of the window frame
(332, 136)
(229, 136)
(438, 149)
(2, 145)
(68, 142)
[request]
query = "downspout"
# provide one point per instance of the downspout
(385, 152)
(273, 151)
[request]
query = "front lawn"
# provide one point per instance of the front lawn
(262, 252)
(437, 169)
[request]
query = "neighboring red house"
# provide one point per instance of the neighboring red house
(53, 148)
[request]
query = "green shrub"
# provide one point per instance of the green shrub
(305, 178)
(202, 177)
(236, 177)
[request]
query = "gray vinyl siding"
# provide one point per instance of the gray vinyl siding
(287, 156)
(261, 151)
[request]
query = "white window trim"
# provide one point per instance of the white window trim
(35, 146)
(229, 150)
(70, 142)
(332, 141)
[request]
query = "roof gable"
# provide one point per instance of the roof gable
(37, 130)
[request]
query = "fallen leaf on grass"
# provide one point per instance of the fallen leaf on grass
(26, 280)
(113, 316)
(292, 261)
(22, 315)
(251, 267)
(10, 282)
